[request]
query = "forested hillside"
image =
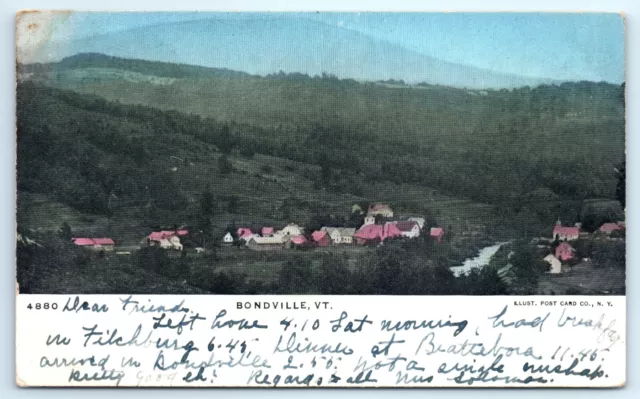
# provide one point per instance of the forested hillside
(491, 146)
(119, 147)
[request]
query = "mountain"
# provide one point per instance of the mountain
(259, 46)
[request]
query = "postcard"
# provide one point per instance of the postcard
(298, 199)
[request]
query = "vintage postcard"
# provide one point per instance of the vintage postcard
(230, 199)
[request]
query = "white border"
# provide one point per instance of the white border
(631, 9)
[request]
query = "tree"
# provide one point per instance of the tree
(65, 232)
(207, 204)
(528, 266)
(225, 140)
(205, 230)
(334, 276)
(153, 259)
(224, 165)
(390, 270)
(295, 277)
(232, 205)
(325, 174)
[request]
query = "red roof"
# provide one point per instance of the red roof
(373, 231)
(391, 230)
(267, 231)
(564, 251)
(159, 235)
(572, 231)
(318, 235)
(299, 239)
(103, 241)
(244, 232)
(407, 225)
(369, 232)
(83, 241)
(182, 232)
(436, 232)
(609, 227)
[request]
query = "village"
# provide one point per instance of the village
(378, 226)
(563, 255)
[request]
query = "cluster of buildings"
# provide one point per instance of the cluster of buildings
(372, 231)
(564, 252)
(165, 239)
(376, 228)
(96, 244)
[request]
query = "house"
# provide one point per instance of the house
(83, 242)
(175, 243)
(340, 235)
(104, 244)
(291, 229)
(564, 233)
(169, 243)
(609, 228)
(267, 231)
(299, 240)
(182, 232)
(227, 239)
(556, 265)
(390, 230)
(420, 222)
(158, 235)
(98, 244)
(321, 238)
(383, 210)
(369, 219)
(409, 229)
(165, 239)
(368, 232)
(244, 233)
(380, 232)
(564, 251)
(437, 233)
(258, 243)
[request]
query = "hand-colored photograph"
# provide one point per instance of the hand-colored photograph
(320, 153)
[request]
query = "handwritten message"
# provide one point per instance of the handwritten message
(324, 341)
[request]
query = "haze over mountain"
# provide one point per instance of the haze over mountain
(258, 46)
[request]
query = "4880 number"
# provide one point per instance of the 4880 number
(43, 306)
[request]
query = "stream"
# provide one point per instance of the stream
(482, 259)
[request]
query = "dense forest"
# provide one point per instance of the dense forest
(103, 144)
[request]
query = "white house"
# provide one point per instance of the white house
(171, 243)
(340, 235)
(227, 239)
(291, 229)
(369, 219)
(259, 243)
(420, 222)
(409, 229)
(556, 265)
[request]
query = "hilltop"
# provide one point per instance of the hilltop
(262, 44)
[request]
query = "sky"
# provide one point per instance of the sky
(559, 46)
